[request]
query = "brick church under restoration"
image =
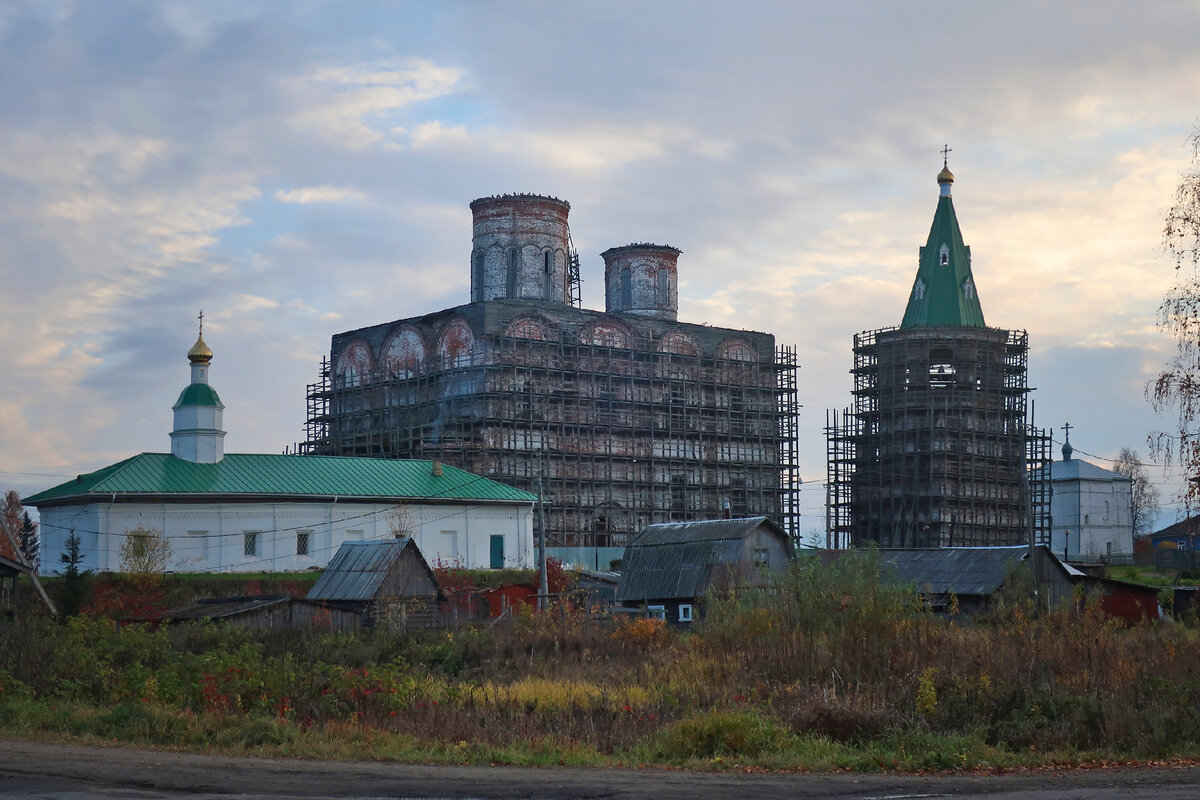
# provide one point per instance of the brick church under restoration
(628, 416)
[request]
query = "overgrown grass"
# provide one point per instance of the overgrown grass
(834, 669)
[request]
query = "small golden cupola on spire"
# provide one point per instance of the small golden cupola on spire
(200, 354)
(945, 177)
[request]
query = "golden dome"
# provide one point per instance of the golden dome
(945, 176)
(200, 354)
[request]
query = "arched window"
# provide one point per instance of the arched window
(514, 258)
(548, 275)
(941, 367)
(626, 288)
(664, 289)
(477, 277)
(944, 257)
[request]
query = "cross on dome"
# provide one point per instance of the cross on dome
(945, 177)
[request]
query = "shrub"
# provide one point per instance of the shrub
(640, 632)
(720, 733)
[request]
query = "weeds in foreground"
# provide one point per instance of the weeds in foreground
(837, 668)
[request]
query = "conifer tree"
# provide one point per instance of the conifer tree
(75, 582)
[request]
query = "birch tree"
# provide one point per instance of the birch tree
(1177, 387)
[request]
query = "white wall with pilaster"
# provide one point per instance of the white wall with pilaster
(212, 537)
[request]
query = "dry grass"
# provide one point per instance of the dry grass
(834, 669)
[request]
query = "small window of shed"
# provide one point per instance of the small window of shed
(685, 612)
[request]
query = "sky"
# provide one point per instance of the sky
(301, 168)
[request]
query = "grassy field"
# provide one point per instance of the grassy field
(1149, 576)
(835, 670)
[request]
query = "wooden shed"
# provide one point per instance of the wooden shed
(10, 570)
(264, 611)
(1129, 602)
(668, 568)
(973, 575)
(388, 582)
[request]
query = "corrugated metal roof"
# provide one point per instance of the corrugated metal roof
(702, 530)
(961, 570)
(1082, 470)
(260, 474)
(676, 559)
(357, 570)
(221, 607)
(1077, 470)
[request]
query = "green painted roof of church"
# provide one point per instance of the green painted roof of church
(291, 476)
(198, 394)
(943, 294)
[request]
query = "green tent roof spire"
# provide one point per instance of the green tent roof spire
(944, 294)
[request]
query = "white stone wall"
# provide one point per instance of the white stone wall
(212, 537)
(1091, 519)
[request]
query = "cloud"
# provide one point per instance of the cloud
(319, 194)
(300, 170)
(352, 106)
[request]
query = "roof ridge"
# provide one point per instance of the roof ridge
(286, 474)
(112, 470)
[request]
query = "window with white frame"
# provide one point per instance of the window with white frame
(685, 612)
(656, 612)
(250, 543)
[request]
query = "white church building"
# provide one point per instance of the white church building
(1091, 511)
(267, 513)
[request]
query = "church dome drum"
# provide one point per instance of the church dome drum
(642, 280)
(519, 248)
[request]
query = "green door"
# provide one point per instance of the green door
(497, 551)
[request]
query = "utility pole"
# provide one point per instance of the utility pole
(543, 585)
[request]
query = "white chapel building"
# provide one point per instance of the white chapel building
(242, 512)
(1092, 516)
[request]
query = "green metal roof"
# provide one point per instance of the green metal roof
(944, 294)
(292, 476)
(198, 394)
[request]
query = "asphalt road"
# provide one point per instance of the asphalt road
(69, 772)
